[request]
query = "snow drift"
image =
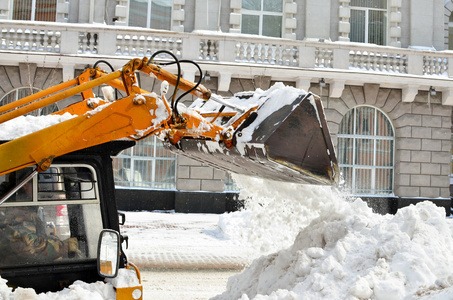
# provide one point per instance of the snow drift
(346, 251)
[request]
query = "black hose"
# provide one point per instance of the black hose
(105, 62)
(173, 102)
(196, 85)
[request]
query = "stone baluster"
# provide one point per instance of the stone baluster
(53, 42)
(265, 53)
(20, 44)
(128, 43)
(201, 49)
(119, 44)
(14, 38)
(247, 50)
(209, 50)
(286, 55)
(330, 57)
(278, 54)
(153, 46)
(42, 41)
(390, 59)
(179, 47)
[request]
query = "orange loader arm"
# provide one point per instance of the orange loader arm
(280, 134)
(135, 116)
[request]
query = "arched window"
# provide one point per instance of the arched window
(366, 152)
(22, 92)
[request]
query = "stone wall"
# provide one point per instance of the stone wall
(422, 132)
(27, 75)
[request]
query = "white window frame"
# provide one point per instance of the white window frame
(367, 17)
(353, 189)
(148, 14)
(262, 13)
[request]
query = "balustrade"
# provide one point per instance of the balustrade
(378, 61)
(267, 53)
(435, 65)
(29, 38)
(42, 37)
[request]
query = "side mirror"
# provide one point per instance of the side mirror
(108, 253)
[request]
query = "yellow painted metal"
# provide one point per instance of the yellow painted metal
(57, 97)
(38, 95)
(119, 119)
(126, 293)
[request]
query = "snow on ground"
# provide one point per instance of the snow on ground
(343, 250)
(307, 242)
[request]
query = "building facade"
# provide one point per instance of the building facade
(381, 67)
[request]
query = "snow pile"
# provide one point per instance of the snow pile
(347, 251)
(24, 125)
(78, 290)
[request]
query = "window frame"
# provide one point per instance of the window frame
(367, 11)
(91, 209)
(352, 189)
(33, 11)
(149, 14)
(261, 13)
(130, 154)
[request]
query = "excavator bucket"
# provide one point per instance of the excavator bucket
(288, 142)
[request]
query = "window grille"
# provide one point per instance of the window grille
(155, 14)
(366, 152)
(369, 21)
(262, 17)
(35, 10)
(146, 165)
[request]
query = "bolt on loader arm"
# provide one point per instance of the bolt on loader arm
(279, 134)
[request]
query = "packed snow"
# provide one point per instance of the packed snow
(24, 125)
(342, 250)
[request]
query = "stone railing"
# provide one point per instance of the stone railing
(81, 39)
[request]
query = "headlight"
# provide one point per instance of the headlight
(136, 294)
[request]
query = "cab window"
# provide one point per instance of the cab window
(54, 217)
